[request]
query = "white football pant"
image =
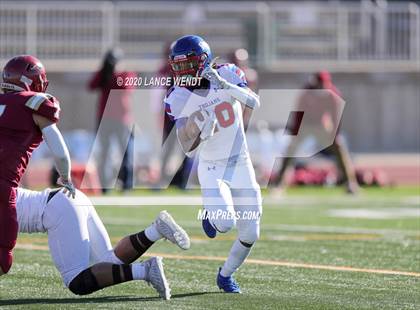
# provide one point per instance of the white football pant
(232, 196)
(77, 237)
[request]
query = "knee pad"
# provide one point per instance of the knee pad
(84, 283)
(6, 259)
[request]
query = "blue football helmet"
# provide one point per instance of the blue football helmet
(189, 54)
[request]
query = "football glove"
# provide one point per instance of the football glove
(209, 127)
(210, 74)
(68, 186)
(202, 122)
(244, 95)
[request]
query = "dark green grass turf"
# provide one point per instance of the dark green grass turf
(296, 229)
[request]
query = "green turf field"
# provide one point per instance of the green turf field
(305, 236)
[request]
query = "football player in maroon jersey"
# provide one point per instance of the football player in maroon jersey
(28, 116)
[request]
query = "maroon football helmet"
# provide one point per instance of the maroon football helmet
(24, 72)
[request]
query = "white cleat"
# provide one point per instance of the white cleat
(169, 229)
(156, 277)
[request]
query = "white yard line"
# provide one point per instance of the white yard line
(195, 200)
(376, 213)
(277, 227)
(338, 229)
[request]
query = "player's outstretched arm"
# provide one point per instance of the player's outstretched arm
(243, 95)
(58, 148)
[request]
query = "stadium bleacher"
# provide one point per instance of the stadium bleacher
(275, 33)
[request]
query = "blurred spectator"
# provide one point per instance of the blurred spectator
(169, 141)
(310, 102)
(115, 120)
(164, 71)
(240, 58)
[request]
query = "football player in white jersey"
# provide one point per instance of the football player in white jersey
(211, 120)
(80, 246)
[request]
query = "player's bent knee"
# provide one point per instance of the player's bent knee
(250, 238)
(84, 283)
(6, 260)
(225, 225)
(250, 235)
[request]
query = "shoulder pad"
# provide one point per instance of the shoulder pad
(44, 105)
(35, 101)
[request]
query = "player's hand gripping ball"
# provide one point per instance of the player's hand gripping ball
(209, 127)
(196, 122)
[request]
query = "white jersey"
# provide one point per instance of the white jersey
(30, 207)
(229, 139)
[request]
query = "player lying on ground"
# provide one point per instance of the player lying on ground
(214, 117)
(28, 115)
(80, 246)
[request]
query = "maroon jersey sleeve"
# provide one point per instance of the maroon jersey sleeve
(44, 105)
